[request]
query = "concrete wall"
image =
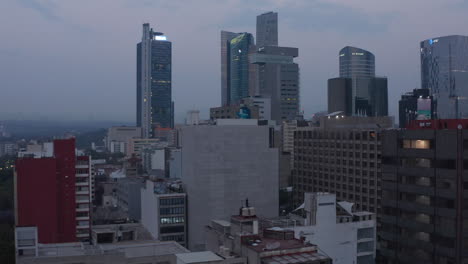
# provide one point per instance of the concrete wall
(149, 209)
(223, 165)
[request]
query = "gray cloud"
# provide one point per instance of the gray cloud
(76, 59)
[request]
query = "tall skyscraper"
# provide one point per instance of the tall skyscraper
(155, 108)
(444, 71)
(356, 62)
(242, 72)
(368, 95)
(267, 29)
(226, 38)
(278, 79)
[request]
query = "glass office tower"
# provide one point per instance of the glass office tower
(226, 38)
(444, 71)
(368, 95)
(155, 108)
(241, 70)
(356, 62)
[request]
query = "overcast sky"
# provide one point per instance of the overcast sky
(75, 59)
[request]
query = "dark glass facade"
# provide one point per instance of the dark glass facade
(241, 72)
(339, 93)
(226, 38)
(368, 95)
(444, 71)
(155, 108)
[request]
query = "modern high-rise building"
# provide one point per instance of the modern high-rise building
(356, 62)
(223, 164)
(267, 29)
(53, 192)
(444, 71)
(358, 91)
(278, 79)
(226, 38)
(415, 105)
(155, 108)
(242, 72)
(424, 193)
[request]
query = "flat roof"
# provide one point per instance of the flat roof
(195, 257)
(222, 223)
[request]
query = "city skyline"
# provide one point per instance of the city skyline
(108, 72)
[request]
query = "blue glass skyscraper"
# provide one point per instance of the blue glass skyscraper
(444, 71)
(241, 70)
(155, 108)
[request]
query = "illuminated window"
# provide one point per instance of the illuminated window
(416, 144)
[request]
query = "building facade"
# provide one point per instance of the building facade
(415, 105)
(155, 107)
(267, 29)
(242, 72)
(117, 138)
(341, 232)
(278, 79)
(224, 164)
(424, 192)
(343, 157)
(164, 210)
(444, 71)
(358, 91)
(53, 192)
(128, 196)
(226, 38)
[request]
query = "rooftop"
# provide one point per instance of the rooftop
(263, 244)
(197, 257)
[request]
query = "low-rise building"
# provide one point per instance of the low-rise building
(164, 207)
(242, 238)
(340, 232)
(28, 251)
(117, 138)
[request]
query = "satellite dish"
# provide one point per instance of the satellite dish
(271, 246)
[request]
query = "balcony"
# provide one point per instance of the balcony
(82, 209)
(80, 201)
(82, 192)
(80, 175)
(85, 183)
(81, 235)
(82, 218)
(82, 227)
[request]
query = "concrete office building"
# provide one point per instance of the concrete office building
(164, 210)
(444, 71)
(358, 91)
(155, 108)
(128, 196)
(342, 156)
(341, 232)
(424, 192)
(117, 138)
(415, 105)
(240, 111)
(224, 164)
(226, 38)
(53, 192)
(278, 79)
(267, 29)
